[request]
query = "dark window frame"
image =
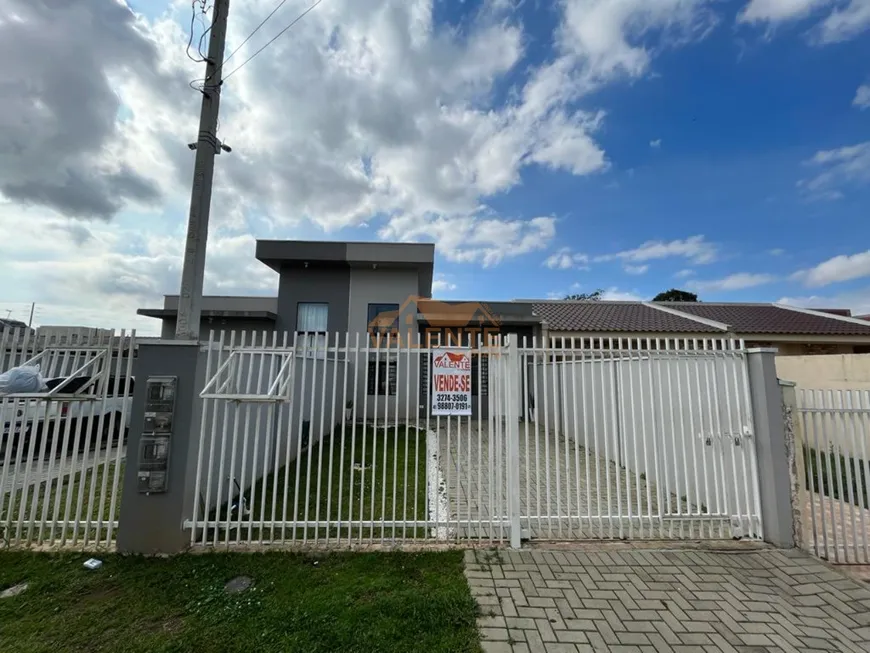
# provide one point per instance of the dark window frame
(382, 307)
(384, 389)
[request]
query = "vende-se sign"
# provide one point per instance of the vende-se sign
(451, 381)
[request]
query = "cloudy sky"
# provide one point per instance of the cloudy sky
(545, 147)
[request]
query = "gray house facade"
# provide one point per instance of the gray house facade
(370, 296)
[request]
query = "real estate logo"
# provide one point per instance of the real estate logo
(453, 361)
(461, 324)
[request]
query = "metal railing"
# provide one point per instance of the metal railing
(638, 438)
(62, 452)
(330, 442)
(333, 441)
(834, 442)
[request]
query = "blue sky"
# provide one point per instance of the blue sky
(721, 146)
(737, 116)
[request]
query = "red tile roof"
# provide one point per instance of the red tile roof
(771, 319)
(740, 319)
(606, 317)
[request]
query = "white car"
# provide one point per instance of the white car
(46, 419)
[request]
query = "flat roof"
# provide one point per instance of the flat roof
(162, 313)
(279, 254)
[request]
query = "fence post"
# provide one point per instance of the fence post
(153, 523)
(795, 439)
(512, 370)
(774, 479)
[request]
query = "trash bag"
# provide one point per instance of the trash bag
(22, 379)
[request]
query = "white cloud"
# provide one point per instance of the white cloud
(384, 119)
(616, 295)
(606, 39)
(862, 97)
(472, 239)
(858, 301)
(440, 284)
(839, 268)
(776, 251)
(564, 259)
(775, 11)
(841, 167)
(737, 281)
(846, 23)
(683, 274)
(656, 144)
(636, 269)
(847, 19)
(695, 248)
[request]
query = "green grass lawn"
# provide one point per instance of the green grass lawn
(341, 602)
(70, 487)
(369, 472)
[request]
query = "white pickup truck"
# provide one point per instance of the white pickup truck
(38, 420)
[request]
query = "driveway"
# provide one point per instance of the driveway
(633, 600)
(578, 496)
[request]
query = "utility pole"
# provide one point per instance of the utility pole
(32, 308)
(207, 146)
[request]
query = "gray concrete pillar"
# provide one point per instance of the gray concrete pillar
(152, 522)
(794, 438)
(771, 449)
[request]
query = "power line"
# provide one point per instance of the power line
(201, 87)
(193, 16)
(274, 38)
(256, 29)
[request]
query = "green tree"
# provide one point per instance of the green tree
(675, 295)
(586, 296)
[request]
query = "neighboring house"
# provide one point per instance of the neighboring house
(793, 331)
(71, 335)
(250, 314)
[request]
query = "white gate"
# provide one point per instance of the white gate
(638, 438)
(833, 440)
(62, 451)
(332, 441)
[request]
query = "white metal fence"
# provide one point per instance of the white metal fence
(638, 438)
(329, 441)
(62, 451)
(332, 441)
(834, 441)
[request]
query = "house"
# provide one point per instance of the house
(379, 295)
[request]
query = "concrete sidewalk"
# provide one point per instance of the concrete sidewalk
(634, 600)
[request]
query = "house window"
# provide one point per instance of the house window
(379, 379)
(383, 317)
(311, 321)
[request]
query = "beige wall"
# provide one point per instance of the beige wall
(832, 371)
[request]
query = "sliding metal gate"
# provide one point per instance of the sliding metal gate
(638, 438)
(332, 441)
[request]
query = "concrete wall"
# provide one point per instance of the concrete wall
(318, 285)
(382, 286)
(844, 371)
